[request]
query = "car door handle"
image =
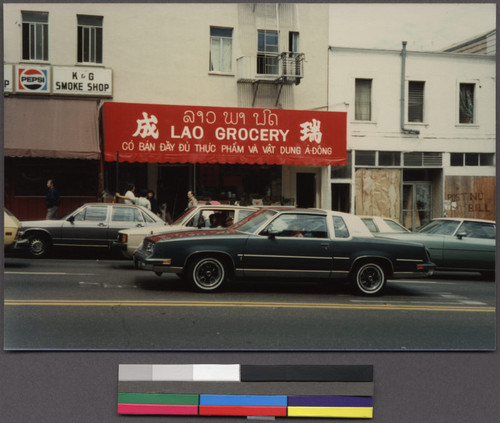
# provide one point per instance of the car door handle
(101, 224)
(325, 245)
(139, 225)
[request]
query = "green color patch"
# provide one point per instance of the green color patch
(165, 399)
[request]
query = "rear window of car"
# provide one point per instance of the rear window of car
(340, 227)
(92, 213)
(394, 225)
(126, 214)
(370, 224)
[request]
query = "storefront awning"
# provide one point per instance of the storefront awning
(51, 128)
(194, 134)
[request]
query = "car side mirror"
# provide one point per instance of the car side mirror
(71, 219)
(461, 235)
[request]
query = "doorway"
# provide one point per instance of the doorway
(341, 197)
(173, 185)
(306, 190)
(417, 204)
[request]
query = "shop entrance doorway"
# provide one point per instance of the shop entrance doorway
(173, 185)
(341, 197)
(306, 190)
(417, 204)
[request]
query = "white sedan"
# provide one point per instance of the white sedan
(206, 216)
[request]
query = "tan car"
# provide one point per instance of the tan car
(12, 232)
(201, 217)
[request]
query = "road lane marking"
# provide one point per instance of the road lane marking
(215, 304)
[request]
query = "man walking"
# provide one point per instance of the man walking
(52, 200)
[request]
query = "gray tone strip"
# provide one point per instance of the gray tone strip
(135, 372)
(250, 388)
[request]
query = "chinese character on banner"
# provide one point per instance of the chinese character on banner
(147, 127)
(311, 131)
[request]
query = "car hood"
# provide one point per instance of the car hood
(194, 233)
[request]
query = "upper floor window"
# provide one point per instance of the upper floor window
(416, 101)
(221, 49)
(35, 35)
(466, 106)
(267, 52)
(363, 100)
(89, 39)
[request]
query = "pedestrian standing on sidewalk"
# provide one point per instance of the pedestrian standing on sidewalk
(192, 201)
(52, 200)
(129, 197)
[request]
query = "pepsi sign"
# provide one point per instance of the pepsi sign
(32, 79)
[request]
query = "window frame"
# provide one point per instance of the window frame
(33, 22)
(413, 103)
(89, 39)
(221, 39)
(268, 57)
(358, 103)
(460, 103)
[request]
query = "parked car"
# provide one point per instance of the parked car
(291, 243)
(457, 244)
(203, 216)
(91, 225)
(383, 224)
(12, 232)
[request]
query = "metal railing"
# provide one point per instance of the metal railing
(284, 67)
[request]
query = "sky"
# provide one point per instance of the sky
(426, 27)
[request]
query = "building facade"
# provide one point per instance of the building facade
(265, 56)
(421, 133)
(413, 153)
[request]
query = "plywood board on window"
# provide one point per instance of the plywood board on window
(378, 192)
(470, 196)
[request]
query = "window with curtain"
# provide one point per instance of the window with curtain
(35, 35)
(416, 101)
(89, 39)
(267, 52)
(363, 100)
(221, 49)
(466, 107)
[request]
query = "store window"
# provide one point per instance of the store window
(72, 177)
(466, 106)
(267, 52)
(35, 35)
(89, 39)
(221, 49)
(363, 100)
(416, 101)
(472, 159)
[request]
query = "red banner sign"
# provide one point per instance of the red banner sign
(193, 134)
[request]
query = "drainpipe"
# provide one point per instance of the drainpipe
(403, 91)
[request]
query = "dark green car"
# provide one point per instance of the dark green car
(457, 244)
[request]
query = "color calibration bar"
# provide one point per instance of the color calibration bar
(342, 391)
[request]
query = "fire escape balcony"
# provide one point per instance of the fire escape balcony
(284, 68)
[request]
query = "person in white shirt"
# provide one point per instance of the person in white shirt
(129, 197)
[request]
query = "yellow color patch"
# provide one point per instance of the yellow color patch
(354, 412)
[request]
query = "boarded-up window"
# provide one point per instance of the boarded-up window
(416, 101)
(363, 101)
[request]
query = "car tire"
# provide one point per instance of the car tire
(38, 245)
(207, 274)
(369, 278)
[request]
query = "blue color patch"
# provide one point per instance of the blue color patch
(244, 400)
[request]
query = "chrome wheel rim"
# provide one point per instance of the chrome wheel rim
(208, 273)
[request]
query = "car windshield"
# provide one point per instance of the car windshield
(440, 227)
(252, 223)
